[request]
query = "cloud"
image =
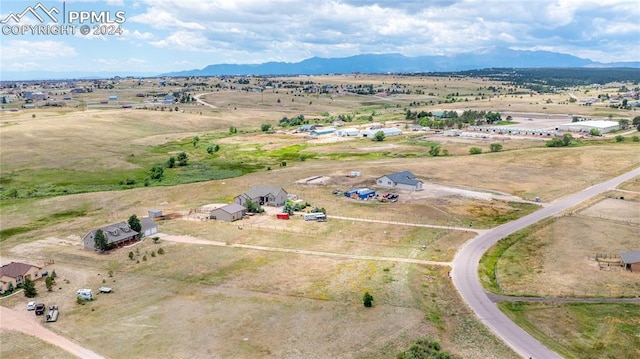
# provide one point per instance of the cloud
(23, 49)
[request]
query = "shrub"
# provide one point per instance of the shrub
(475, 150)
(144, 257)
(619, 138)
(160, 251)
(635, 139)
(367, 300)
(155, 239)
(153, 253)
(495, 147)
(131, 255)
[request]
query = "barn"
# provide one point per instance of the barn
(388, 131)
(631, 261)
(229, 213)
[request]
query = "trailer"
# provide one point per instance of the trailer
(316, 216)
(282, 216)
(52, 314)
(85, 294)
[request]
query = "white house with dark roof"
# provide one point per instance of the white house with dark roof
(117, 234)
(400, 180)
(263, 195)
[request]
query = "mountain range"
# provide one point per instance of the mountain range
(397, 63)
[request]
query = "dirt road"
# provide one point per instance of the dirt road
(14, 320)
(198, 100)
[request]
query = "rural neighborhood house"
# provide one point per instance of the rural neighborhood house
(400, 180)
(229, 213)
(264, 196)
(15, 273)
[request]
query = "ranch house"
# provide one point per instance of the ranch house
(263, 195)
(15, 273)
(118, 234)
(400, 180)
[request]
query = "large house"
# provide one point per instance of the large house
(400, 180)
(15, 273)
(120, 234)
(263, 195)
(229, 213)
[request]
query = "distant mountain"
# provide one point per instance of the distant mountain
(397, 63)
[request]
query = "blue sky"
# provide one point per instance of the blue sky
(171, 35)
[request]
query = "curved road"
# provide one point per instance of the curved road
(465, 271)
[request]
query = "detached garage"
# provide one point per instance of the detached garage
(229, 213)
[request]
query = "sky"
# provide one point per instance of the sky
(159, 36)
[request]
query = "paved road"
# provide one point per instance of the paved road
(14, 320)
(465, 271)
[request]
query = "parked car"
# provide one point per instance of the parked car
(31, 306)
(40, 309)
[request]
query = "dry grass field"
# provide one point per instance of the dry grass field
(67, 164)
(16, 345)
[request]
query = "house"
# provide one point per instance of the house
(149, 227)
(400, 180)
(168, 100)
(263, 195)
(15, 273)
(631, 261)
(117, 234)
(229, 213)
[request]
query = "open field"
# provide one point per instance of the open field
(16, 345)
(64, 172)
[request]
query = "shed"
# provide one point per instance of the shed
(113, 98)
(322, 131)
(229, 213)
(631, 261)
(154, 213)
(347, 132)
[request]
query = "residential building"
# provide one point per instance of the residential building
(400, 180)
(263, 195)
(14, 273)
(117, 234)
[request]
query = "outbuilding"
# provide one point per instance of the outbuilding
(387, 131)
(631, 261)
(229, 213)
(586, 126)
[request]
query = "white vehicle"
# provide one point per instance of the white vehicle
(31, 306)
(316, 216)
(85, 294)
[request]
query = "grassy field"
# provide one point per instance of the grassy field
(581, 330)
(65, 172)
(16, 345)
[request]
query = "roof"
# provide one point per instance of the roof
(403, 177)
(116, 232)
(147, 223)
(261, 191)
(232, 208)
(15, 269)
(630, 257)
(595, 123)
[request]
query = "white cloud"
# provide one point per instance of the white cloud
(23, 49)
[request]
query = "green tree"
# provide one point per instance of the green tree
(195, 140)
(636, 121)
(155, 239)
(434, 150)
(624, 123)
(131, 255)
(475, 150)
(594, 132)
(134, 223)
(157, 172)
(378, 136)
(48, 282)
(29, 288)
(183, 159)
(253, 207)
(367, 300)
(171, 162)
(233, 130)
(288, 208)
(265, 127)
(567, 139)
(619, 138)
(100, 241)
(495, 147)
(160, 251)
